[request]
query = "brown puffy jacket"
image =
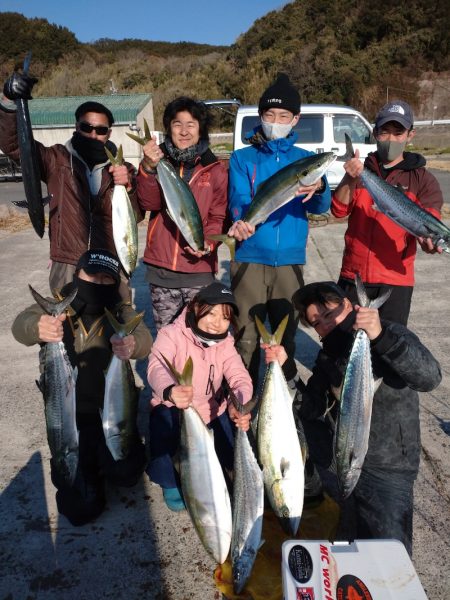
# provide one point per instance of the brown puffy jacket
(75, 216)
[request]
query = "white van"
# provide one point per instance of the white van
(321, 128)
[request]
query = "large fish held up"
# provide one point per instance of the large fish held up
(280, 188)
(248, 504)
(120, 403)
(202, 481)
(279, 448)
(181, 204)
(29, 164)
(58, 386)
(393, 203)
(351, 438)
(124, 223)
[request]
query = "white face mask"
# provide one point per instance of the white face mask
(274, 131)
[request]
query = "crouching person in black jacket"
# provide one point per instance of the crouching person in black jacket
(90, 342)
(382, 500)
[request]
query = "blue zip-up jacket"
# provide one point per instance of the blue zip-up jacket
(281, 240)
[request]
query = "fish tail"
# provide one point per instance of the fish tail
(246, 408)
(183, 378)
(226, 239)
(137, 138)
(275, 338)
(124, 329)
(363, 298)
(114, 160)
(53, 307)
(349, 151)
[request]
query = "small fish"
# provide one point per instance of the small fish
(279, 448)
(393, 203)
(202, 481)
(121, 398)
(124, 223)
(58, 386)
(351, 438)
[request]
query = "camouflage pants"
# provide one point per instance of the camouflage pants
(168, 303)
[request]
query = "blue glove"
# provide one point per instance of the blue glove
(18, 86)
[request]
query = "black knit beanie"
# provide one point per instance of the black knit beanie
(281, 94)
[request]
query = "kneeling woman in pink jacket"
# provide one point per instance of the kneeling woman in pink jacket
(202, 333)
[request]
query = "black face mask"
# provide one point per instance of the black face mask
(192, 323)
(92, 151)
(339, 341)
(93, 298)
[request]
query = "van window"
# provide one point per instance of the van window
(309, 128)
(354, 127)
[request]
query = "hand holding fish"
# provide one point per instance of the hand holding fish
(241, 230)
(354, 166)
(274, 353)
(182, 395)
(309, 190)
(120, 175)
(240, 420)
(50, 329)
(152, 153)
(428, 246)
(18, 86)
(368, 319)
(198, 253)
(123, 347)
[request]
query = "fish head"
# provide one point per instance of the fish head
(242, 568)
(316, 168)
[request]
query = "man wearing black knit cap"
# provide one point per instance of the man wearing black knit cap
(268, 268)
(79, 178)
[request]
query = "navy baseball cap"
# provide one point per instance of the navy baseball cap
(100, 261)
(398, 111)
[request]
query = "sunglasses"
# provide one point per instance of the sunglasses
(88, 128)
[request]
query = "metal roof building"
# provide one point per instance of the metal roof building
(53, 119)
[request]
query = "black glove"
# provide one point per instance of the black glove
(18, 86)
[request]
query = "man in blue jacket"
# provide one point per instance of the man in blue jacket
(268, 267)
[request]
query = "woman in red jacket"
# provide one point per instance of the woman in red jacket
(175, 271)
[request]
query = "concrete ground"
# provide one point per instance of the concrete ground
(138, 548)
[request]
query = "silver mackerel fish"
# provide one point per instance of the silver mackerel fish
(355, 405)
(393, 203)
(248, 505)
(57, 384)
(120, 404)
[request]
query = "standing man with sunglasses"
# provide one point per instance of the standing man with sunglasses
(79, 178)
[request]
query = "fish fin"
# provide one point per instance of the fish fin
(184, 378)
(278, 335)
(124, 329)
(186, 375)
(20, 203)
(147, 132)
(363, 298)
(137, 138)
(284, 466)
(119, 155)
(226, 239)
(53, 307)
(244, 409)
(175, 373)
(377, 302)
(265, 335)
(349, 151)
(112, 159)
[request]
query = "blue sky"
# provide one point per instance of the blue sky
(203, 21)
